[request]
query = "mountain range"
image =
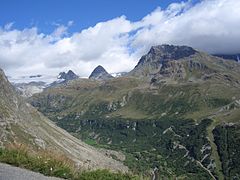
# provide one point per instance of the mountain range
(37, 83)
(176, 113)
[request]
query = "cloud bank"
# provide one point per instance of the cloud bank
(211, 26)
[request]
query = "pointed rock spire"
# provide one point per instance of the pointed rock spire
(99, 73)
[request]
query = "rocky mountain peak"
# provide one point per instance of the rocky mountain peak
(70, 75)
(99, 73)
(5, 87)
(2, 75)
(161, 57)
(171, 51)
(179, 64)
(99, 69)
(166, 53)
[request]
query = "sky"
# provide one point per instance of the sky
(50, 36)
(46, 14)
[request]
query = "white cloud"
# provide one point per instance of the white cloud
(8, 26)
(117, 44)
(70, 23)
(211, 26)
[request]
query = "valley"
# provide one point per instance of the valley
(20, 123)
(172, 114)
(120, 90)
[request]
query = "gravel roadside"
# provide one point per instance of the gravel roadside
(8, 172)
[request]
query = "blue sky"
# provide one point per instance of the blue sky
(45, 13)
(50, 36)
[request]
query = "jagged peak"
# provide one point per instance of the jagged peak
(99, 68)
(172, 51)
(3, 77)
(99, 73)
(70, 72)
(67, 76)
(166, 52)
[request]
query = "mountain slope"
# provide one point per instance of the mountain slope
(165, 114)
(182, 64)
(99, 73)
(153, 88)
(21, 123)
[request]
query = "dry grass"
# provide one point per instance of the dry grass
(43, 161)
(51, 163)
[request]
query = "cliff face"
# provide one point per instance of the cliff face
(21, 123)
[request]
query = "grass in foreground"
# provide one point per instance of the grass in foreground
(53, 165)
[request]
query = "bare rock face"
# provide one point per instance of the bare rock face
(181, 64)
(161, 57)
(172, 69)
(99, 73)
(64, 78)
(21, 123)
(70, 75)
(163, 53)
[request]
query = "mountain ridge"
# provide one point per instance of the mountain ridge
(169, 113)
(180, 63)
(70, 75)
(234, 57)
(21, 123)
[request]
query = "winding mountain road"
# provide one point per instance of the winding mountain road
(8, 172)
